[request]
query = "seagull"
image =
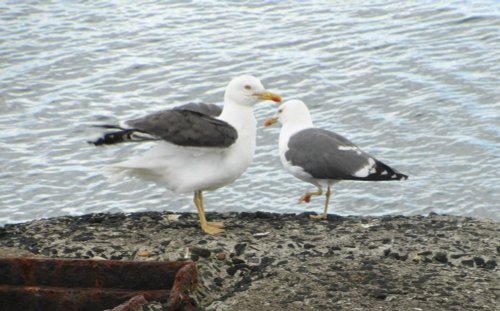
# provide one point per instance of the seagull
(199, 147)
(322, 157)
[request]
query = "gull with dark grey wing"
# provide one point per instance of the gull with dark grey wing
(322, 157)
(198, 146)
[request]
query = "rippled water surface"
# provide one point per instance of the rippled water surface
(415, 84)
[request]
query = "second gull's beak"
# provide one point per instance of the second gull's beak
(270, 121)
(266, 95)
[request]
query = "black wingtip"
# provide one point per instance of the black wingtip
(98, 142)
(112, 138)
(382, 172)
(400, 176)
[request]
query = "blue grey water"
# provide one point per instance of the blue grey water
(414, 83)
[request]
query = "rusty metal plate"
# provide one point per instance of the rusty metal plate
(78, 284)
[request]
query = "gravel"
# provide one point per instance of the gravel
(269, 261)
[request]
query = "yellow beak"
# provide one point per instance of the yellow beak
(266, 95)
(270, 121)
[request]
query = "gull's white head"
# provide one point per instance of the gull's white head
(294, 111)
(247, 91)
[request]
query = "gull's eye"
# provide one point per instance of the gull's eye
(248, 87)
(280, 110)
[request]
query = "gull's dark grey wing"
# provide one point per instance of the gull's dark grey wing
(182, 126)
(327, 155)
(208, 109)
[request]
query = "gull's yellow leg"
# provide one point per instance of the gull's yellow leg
(205, 226)
(325, 211)
(306, 197)
(217, 224)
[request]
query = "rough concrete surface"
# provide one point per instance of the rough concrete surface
(267, 261)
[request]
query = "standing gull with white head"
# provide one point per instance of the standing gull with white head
(195, 151)
(321, 157)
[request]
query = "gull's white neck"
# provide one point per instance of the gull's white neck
(240, 154)
(239, 116)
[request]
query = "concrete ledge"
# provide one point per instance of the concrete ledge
(267, 261)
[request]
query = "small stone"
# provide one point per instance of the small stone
(173, 217)
(260, 234)
(263, 215)
(425, 253)
(142, 253)
(237, 261)
(397, 256)
(387, 251)
(379, 294)
(490, 265)
(221, 256)
(202, 252)
(309, 246)
(240, 248)
(441, 257)
(468, 263)
(479, 261)
(218, 281)
(253, 260)
(231, 270)
(266, 261)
